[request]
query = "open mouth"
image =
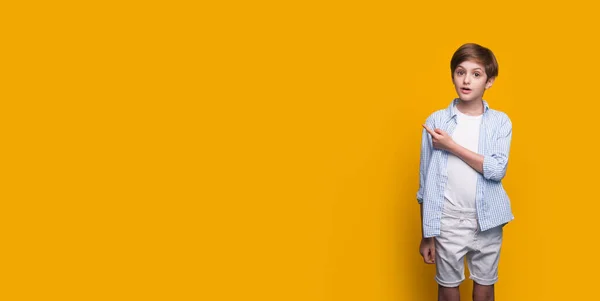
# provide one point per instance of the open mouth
(465, 90)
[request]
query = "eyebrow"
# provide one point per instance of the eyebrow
(466, 68)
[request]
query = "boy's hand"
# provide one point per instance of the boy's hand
(427, 250)
(440, 139)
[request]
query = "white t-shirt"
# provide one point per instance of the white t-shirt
(462, 179)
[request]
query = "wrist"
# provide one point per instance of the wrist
(453, 148)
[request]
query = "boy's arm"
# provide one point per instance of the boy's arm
(470, 157)
(427, 245)
(493, 166)
(425, 158)
(426, 149)
(422, 230)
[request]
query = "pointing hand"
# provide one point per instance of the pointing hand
(440, 139)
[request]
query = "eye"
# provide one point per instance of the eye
(477, 74)
(460, 72)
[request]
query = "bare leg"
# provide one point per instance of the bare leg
(483, 292)
(448, 293)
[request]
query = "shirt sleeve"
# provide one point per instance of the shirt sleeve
(496, 161)
(425, 158)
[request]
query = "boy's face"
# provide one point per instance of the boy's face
(470, 81)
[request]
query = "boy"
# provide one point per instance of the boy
(464, 156)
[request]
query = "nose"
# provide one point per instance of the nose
(466, 79)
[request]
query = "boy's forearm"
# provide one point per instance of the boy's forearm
(472, 158)
(422, 234)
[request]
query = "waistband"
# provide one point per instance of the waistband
(459, 212)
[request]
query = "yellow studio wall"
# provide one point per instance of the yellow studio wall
(270, 150)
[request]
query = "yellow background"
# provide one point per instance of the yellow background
(269, 150)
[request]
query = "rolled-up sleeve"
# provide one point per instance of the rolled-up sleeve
(426, 149)
(495, 161)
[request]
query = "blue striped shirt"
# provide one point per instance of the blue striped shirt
(491, 201)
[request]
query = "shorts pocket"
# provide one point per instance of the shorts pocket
(447, 223)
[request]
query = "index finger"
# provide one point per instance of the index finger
(429, 130)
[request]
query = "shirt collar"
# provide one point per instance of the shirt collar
(452, 108)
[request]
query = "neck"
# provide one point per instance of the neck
(473, 108)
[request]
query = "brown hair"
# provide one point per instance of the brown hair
(479, 54)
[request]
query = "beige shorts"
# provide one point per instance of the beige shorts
(460, 237)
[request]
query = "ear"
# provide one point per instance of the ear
(489, 82)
